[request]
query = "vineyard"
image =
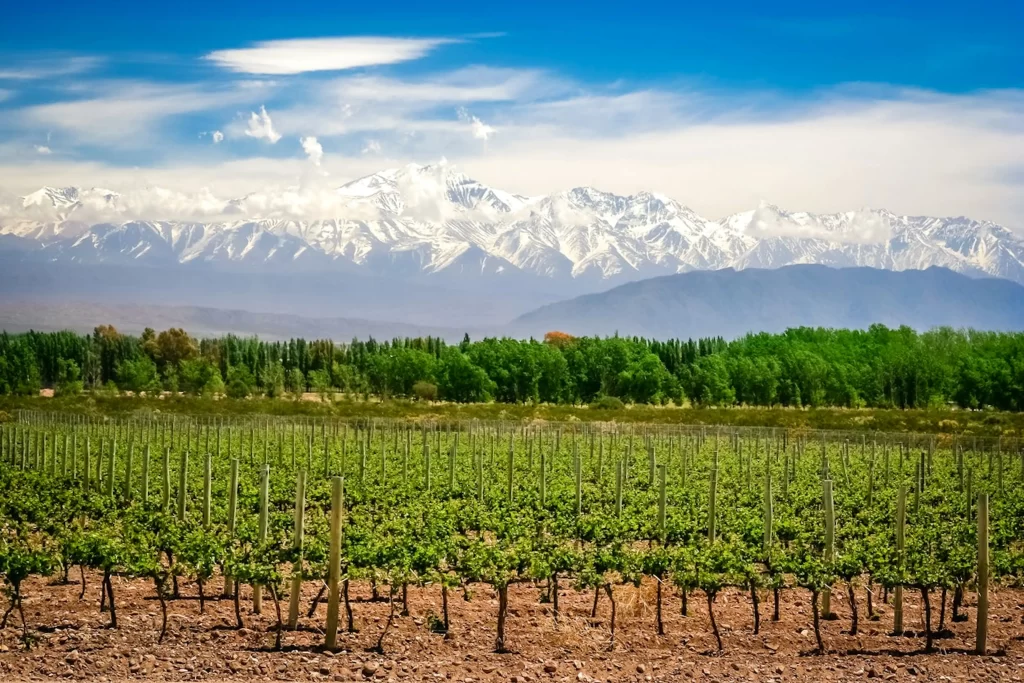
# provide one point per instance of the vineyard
(252, 510)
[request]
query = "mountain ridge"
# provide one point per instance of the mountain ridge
(426, 220)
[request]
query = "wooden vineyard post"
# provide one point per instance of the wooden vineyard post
(543, 479)
(969, 494)
(787, 456)
(362, 462)
(511, 469)
(768, 507)
(145, 474)
(960, 468)
(165, 481)
(451, 464)
(887, 458)
(618, 489)
(480, 477)
(830, 543)
(578, 466)
(901, 525)
(229, 587)
(426, 456)
(99, 466)
(334, 562)
(53, 456)
(109, 483)
(662, 500)
(683, 466)
(128, 467)
(297, 543)
(982, 632)
(207, 489)
(327, 450)
(405, 459)
(257, 589)
(182, 485)
(871, 482)
(999, 472)
(712, 500)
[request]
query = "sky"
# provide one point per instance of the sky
(911, 106)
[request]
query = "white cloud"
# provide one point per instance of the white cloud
(314, 151)
(472, 84)
(48, 67)
(125, 113)
(43, 149)
(216, 136)
(479, 129)
(5, 94)
(282, 57)
(861, 227)
(908, 151)
(261, 127)
(403, 107)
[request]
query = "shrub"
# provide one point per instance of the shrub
(425, 391)
(607, 403)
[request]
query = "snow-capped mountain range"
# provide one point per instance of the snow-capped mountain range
(434, 220)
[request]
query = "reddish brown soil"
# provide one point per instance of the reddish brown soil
(72, 640)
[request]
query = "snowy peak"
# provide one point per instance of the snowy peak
(432, 219)
(431, 188)
(66, 199)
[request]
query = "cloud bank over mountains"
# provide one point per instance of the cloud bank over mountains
(349, 106)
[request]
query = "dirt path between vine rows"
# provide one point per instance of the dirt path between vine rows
(71, 640)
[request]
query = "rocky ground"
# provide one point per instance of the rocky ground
(71, 639)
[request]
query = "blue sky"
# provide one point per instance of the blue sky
(821, 106)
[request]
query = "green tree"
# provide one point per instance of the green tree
(295, 382)
(137, 375)
(461, 381)
(240, 382)
(69, 378)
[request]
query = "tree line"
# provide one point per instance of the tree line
(877, 367)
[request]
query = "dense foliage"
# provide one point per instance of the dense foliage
(497, 503)
(878, 367)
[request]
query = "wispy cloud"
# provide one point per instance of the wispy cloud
(412, 106)
(126, 113)
(479, 129)
(282, 57)
(48, 67)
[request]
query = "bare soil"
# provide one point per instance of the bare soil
(71, 639)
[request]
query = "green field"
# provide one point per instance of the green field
(573, 505)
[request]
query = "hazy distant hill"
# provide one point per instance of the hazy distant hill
(731, 303)
(48, 316)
